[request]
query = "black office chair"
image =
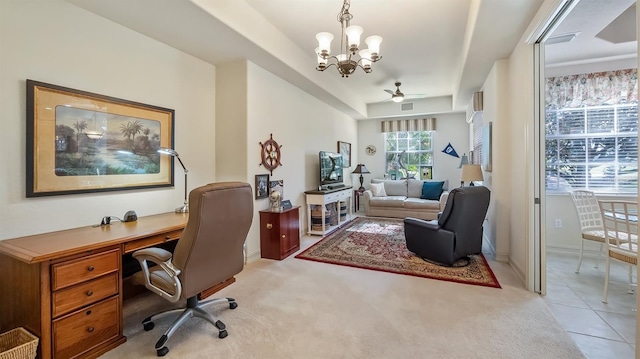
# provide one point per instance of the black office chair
(209, 252)
(456, 234)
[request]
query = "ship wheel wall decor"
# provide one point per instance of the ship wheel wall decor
(270, 154)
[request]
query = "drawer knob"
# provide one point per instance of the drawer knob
(166, 238)
(283, 236)
(89, 312)
(269, 225)
(89, 293)
(91, 329)
(90, 268)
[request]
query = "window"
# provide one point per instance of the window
(592, 147)
(409, 154)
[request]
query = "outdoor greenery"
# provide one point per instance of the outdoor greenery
(592, 147)
(407, 152)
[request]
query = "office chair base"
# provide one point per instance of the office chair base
(192, 309)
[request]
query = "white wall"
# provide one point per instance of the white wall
(259, 104)
(59, 43)
(450, 128)
(519, 169)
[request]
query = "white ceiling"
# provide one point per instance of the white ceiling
(442, 49)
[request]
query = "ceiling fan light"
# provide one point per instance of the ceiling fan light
(397, 98)
(353, 35)
(324, 42)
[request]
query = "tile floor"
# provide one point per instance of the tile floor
(600, 330)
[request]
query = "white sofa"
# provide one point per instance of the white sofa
(403, 200)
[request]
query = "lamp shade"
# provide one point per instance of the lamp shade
(471, 173)
(360, 168)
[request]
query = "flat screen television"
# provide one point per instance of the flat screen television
(330, 168)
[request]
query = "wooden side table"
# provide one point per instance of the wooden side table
(279, 233)
(356, 199)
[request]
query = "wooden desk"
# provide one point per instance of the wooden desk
(66, 286)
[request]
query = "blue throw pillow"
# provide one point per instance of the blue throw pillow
(432, 190)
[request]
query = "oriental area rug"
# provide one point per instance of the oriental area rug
(379, 244)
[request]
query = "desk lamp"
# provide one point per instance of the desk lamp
(360, 169)
(171, 152)
(471, 173)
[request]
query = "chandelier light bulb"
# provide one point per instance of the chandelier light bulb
(374, 45)
(353, 35)
(324, 42)
(322, 62)
(365, 55)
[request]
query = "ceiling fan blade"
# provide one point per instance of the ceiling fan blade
(389, 91)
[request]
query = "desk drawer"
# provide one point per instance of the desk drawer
(70, 299)
(86, 328)
(73, 272)
(151, 241)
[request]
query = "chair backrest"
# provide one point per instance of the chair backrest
(464, 215)
(210, 249)
(588, 210)
(621, 225)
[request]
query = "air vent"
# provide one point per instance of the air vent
(477, 101)
(406, 106)
(476, 105)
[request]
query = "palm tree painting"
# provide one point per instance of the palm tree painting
(106, 144)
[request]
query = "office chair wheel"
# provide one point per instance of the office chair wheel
(148, 326)
(162, 351)
(222, 334)
(233, 305)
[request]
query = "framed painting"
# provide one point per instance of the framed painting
(80, 142)
(344, 148)
(262, 186)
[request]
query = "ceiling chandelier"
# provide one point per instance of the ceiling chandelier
(347, 62)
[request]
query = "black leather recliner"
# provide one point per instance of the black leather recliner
(458, 231)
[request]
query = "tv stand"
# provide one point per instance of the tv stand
(324, 197)
(329, 187)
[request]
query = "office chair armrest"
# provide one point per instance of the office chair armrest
(162, 258)
(159, 254)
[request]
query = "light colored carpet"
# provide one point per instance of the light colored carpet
(301, 309)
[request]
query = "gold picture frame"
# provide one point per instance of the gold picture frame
(80, 142)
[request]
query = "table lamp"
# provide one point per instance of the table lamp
(360, 169)
(171, 152)
(471, 173)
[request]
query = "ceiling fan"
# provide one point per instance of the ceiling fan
(397, 95)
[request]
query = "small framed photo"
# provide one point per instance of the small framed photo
(393, 176)
(262, 186)
(286, 204)
(427, 172)
(277, 185)
(344, 148)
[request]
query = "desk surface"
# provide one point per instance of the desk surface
(47, 246)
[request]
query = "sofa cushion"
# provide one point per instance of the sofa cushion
(393, 187)
(414, 187)
(377, 189)
(417, 203)
(388, 201)
(432, 190)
